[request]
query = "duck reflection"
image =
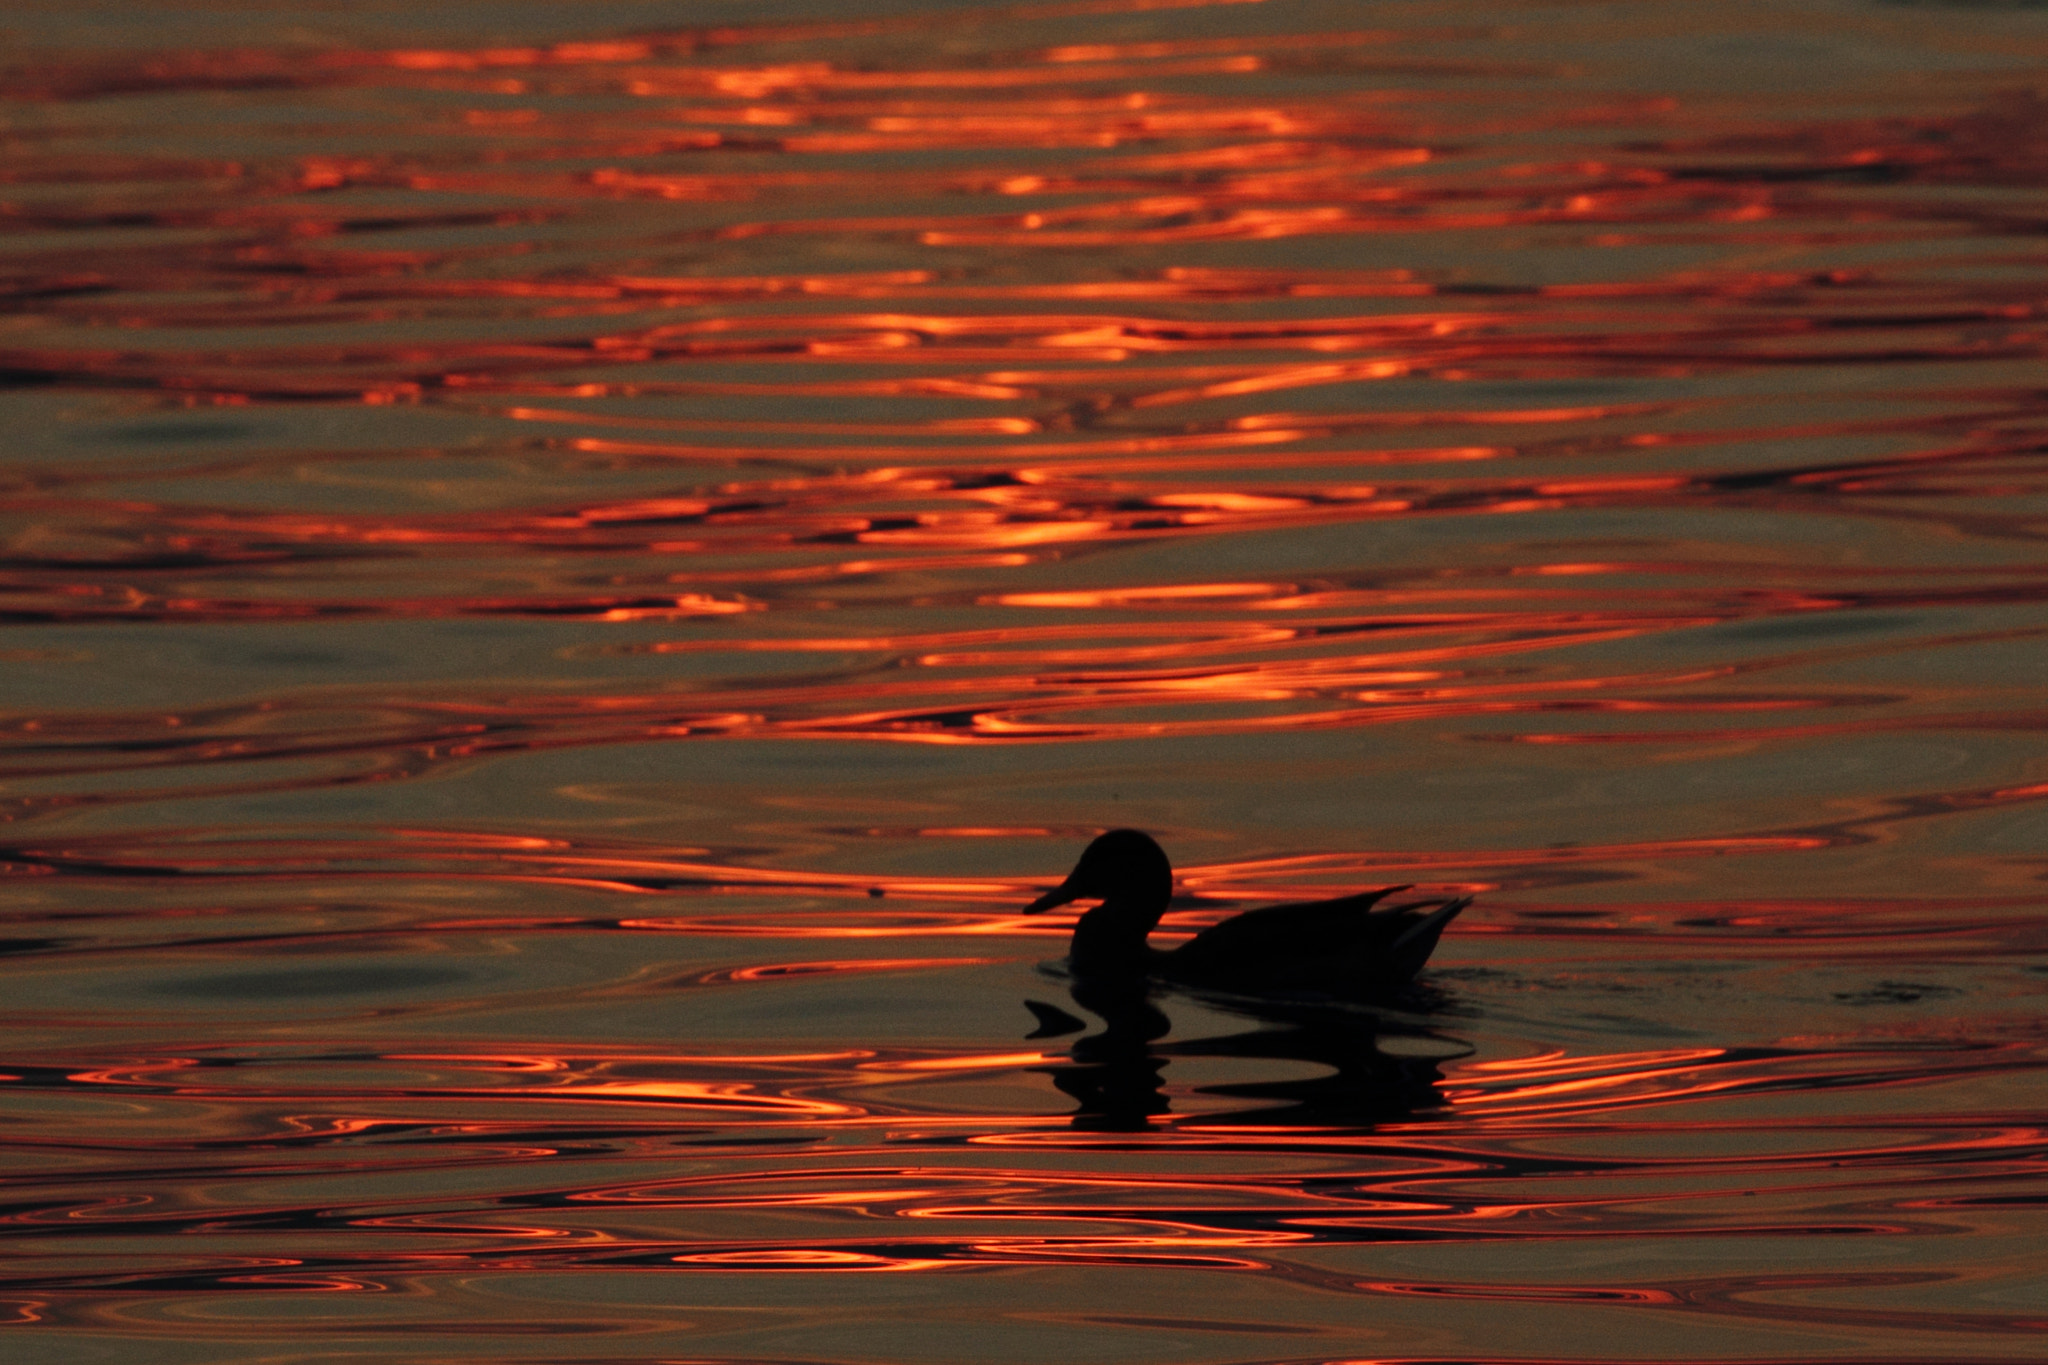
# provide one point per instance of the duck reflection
(1377, 1066)
(1116, 1073)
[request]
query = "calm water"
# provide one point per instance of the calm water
(569, 568)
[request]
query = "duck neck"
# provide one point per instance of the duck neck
(1110, 939)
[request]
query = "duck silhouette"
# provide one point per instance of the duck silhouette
(1341, 947)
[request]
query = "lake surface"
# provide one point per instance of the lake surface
(570, 568)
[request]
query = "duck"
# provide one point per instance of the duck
(1342, 947)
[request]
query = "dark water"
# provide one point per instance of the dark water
(568, 569)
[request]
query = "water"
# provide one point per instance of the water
(569, 569)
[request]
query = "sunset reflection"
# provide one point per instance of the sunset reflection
(566, 577)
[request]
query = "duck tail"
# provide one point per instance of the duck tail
(1418, 940)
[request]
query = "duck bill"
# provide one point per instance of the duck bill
(1058, 896)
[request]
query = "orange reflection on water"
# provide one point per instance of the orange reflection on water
(837, 467)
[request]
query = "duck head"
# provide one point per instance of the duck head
(1130, 875)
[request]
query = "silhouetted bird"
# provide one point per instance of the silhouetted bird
(1338, 947)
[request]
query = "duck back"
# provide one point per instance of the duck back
(1339, 947)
